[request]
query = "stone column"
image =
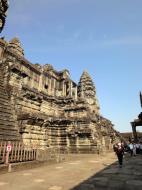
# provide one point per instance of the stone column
(134, 131)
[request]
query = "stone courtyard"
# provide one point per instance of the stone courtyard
(79, 172)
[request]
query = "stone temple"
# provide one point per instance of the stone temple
(42, 107)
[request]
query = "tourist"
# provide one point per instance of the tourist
(119, 150)
(140, 147)
(131, 149)
(137, 148)
(134, 149)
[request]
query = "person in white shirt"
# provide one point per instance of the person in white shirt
(131, 149)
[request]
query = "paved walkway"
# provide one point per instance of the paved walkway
(80, 172)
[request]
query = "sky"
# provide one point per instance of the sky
(103, 37)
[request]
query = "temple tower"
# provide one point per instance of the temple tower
(15, 46)
(87, 91)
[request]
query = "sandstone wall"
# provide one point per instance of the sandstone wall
(50, 109)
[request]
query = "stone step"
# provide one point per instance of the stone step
(3, 92)
(5, 109)
(1, 80)
(4, 105)
(7, 121)
(6, 115)
(4, 96)
(6, 112)
(3, 101)
(2, 89)
(1, 77)
(7, 126)
(2, 83)
(6, 130)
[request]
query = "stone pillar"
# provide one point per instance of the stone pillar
(134, 131)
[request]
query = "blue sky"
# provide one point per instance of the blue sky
(101, 36)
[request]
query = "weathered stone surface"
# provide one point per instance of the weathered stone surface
(8, 129)
(3, 9)
(87, 91)
(15, 45)
(49, 108)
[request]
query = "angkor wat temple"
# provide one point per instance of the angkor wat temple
(46, 108)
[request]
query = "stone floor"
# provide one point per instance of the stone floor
(80, 172)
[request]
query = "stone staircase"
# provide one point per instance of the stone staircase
(8, 129)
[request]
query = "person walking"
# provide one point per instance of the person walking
(140, 147)
(131, 149)
(134, 149)
(119, 150)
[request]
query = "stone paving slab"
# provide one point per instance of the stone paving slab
(81, 172)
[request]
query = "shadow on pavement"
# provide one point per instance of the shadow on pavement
(129, 177)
